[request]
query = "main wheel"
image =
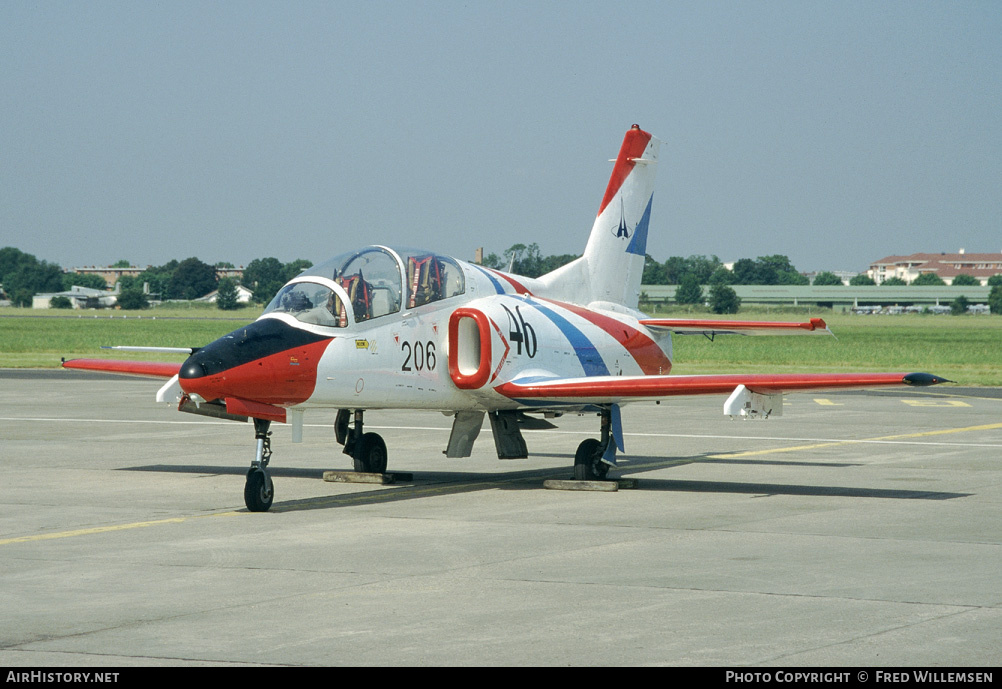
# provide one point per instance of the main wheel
(588, 464)
(258, 491)
(371, 456)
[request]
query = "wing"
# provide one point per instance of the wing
(171, 390)
(147, 369)
(620, 389)
(710, 328)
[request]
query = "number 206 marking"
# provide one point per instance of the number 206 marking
(420, 355)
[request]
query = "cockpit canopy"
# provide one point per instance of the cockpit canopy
(378, 280)
(310, 302)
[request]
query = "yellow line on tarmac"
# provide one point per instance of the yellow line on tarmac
(751, 453)
(797, 448)
(444, 489)
(985, 427)
(333, 500)
(107, 529)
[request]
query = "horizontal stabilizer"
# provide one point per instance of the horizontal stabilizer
(686, 326)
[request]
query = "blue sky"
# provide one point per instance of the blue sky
(833, 132)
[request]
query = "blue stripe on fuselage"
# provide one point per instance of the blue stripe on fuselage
(497, 283)
(586, 352)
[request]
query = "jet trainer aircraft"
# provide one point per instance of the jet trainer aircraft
(397, 328)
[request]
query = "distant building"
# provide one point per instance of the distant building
(110, 275)
(80, 298)
(844, 275)
(244, 296)
(946, 266)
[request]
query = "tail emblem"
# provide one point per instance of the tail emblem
(623, 230)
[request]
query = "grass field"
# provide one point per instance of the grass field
(965, 349)
(38, 339)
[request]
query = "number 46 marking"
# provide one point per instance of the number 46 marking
(521, 332)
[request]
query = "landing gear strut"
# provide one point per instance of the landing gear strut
(367, 450)
(588, 464)
(259, 490)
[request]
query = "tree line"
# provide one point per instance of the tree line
(191, 279)
(777, 269)
(692, 272)
(22, 276)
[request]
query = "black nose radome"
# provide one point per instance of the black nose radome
(192, 368)
(254, 341)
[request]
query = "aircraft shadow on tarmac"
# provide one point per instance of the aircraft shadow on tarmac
(438, 483)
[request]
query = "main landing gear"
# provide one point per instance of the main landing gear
(259, 490)
(367, 450)
(368, 453)
(588, 464)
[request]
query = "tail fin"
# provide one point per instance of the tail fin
(613, 262)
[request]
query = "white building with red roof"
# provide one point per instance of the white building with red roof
(947, 266)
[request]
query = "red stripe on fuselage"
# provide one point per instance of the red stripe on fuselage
(634, 144)
(645, 351)
(519, 287)
(284, 378)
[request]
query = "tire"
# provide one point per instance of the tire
(588, 464)
(371, 457)
(258, 491)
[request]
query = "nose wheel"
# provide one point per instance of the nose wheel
(259, 491)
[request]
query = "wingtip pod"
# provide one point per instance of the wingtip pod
(924, 379)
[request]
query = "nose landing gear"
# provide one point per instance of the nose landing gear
(259, 491)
